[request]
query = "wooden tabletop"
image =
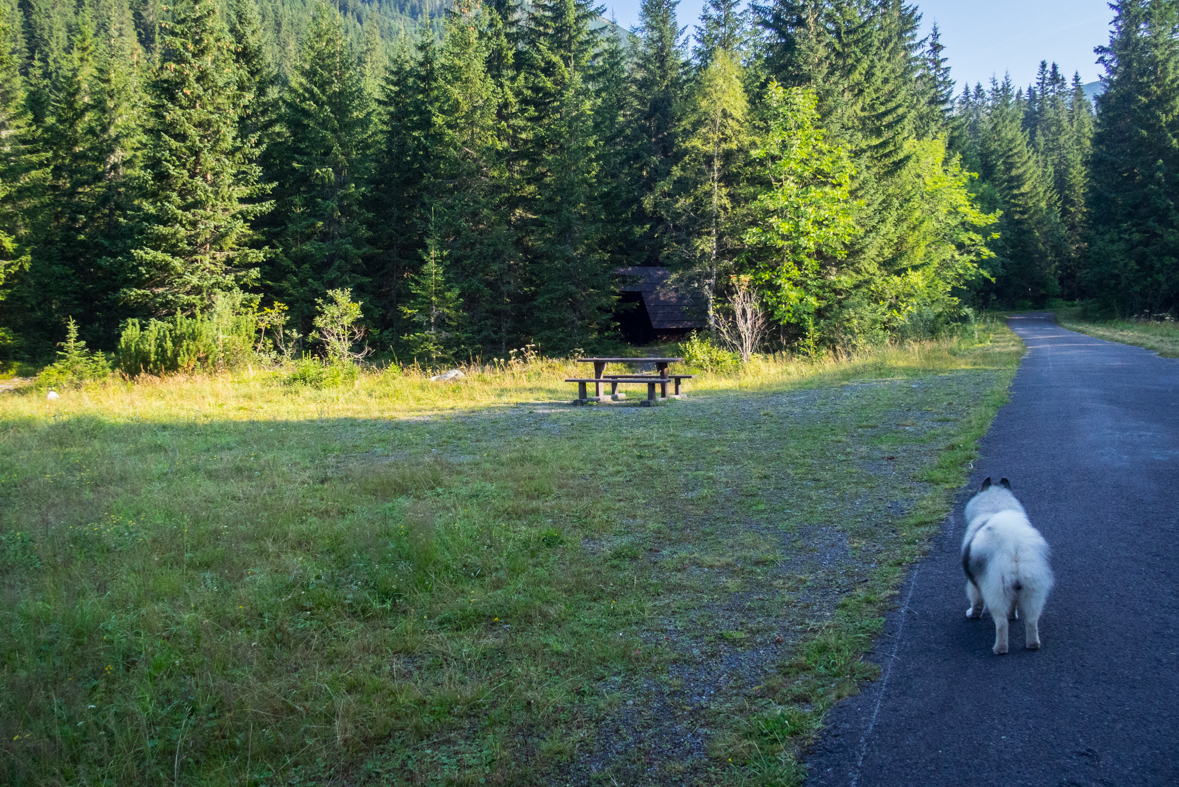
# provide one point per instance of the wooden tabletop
(629, 360)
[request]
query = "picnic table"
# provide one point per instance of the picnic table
(662, 379)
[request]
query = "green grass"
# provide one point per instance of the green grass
(233, 580)
(1160, 336)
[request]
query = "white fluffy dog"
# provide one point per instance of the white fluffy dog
(1006, 563)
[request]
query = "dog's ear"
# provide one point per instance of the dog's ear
(1003, 482)
(986, 484)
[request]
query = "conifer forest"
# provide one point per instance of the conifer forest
(475, 174)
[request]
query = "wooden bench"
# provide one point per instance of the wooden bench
(614, 380)
(663, 378)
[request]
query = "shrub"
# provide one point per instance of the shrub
(338, 326)
(75, 365)
(317, 373)
(703, 353)
(225, 338)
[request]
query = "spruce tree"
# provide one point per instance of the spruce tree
(373, 59)
(567, 275)
(796, 36)
(1031, 239)
(724, 27)
(660, 72)
(65, 275)
(936, 86)
(94, 138)
(405, 170)
(620, 172)
(21, 176)
(120, 127)
(202, 179)
(1133, 266)
(321, 172)
(471, 219)
(432, 308)
(257, 82)
(1074, 187)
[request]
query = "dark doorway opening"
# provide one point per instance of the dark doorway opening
(633, 319)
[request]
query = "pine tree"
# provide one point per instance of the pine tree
(321, 173)
(197, 208)
(1134, 260)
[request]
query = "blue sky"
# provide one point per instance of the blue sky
(985, 37)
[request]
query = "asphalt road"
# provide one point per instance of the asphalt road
(1090, 442)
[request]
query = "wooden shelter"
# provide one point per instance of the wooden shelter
(654, 306)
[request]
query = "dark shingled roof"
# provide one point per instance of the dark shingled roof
(670, 306)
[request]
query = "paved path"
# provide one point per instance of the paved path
(1090, 441)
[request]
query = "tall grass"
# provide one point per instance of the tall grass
(1162, 336)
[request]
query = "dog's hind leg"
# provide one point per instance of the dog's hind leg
(975, 610)
(999, 600)
(1000, 633)
(1032, 604)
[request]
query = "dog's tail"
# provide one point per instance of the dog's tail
(1012, 587)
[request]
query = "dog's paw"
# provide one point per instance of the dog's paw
(970, 613)
(999, 651)
(1032, 645)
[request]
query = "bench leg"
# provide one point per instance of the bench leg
(581, 392)
(598, 389)
(663, 389)
(677, 386)
(650, 394)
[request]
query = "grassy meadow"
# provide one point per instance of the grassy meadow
(1160, 336)
(235, 580)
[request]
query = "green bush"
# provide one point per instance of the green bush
(317, 373)
(225, 338)
(701, 352)
(75, 365)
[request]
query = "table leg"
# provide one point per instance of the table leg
(599, 367)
